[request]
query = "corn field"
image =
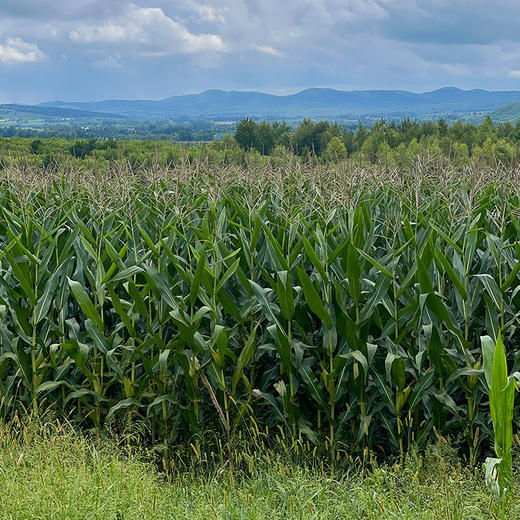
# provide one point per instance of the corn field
(344, 306)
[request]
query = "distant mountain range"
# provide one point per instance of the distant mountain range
(314, 102)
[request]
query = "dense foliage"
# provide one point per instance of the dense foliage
(395, 145)
(391, 143)
(343, 305)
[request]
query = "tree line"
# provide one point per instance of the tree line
(384, 141)
(395, 144)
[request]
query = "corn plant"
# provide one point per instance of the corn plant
(341, 308)
(499, 470)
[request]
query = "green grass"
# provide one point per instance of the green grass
(50, 472)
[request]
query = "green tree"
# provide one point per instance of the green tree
(36, 146)
(246, 133)
(309, 137)
(285, 140)
(80, 148)
(443, 127)
(360, 137)
(336, 149)
(486, 131)
(280, 128)
(264, 138)
(384, 153)
(460, 153)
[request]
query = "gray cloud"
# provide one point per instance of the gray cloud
(168, 47)
(463, 22)
(60, 9)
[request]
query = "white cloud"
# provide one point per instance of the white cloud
(16, 50)
(109, 32)
(205, 12)
(514, 74)
(151, 30)
(265, 49)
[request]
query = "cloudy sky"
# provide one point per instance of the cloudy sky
(98, 49)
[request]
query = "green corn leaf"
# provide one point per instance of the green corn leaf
(269, 309)
(420, 388)
(312, 383)
(399, 372)
(79, 353)
(228, 274)
(276, 253)
(126, 274)
(285, 291)
(123, 405)
(492, 288)
(424, 277)
(48, 386)
(139, 303)
(469, 248)
(23, 276)
(123, 315)
(243, 360)
(391, 429)
(161, 283)
(446, 400)
(88, 247)
(511, 277)
(314, 259)
(48, 297)
(197, 277)
(439, 255)
(424, 433)
(385, 392)
(369, 308)
(389, 361)
(159, 400)
(97, 336)
(313, 299)
(85, 303)
(466, 371)
(488, 353)
(282, 344)
(501, 402)
(448, 239)
(354, 273)
(375, 263)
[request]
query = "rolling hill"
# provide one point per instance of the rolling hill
(31, 112)
(510, 112)
(314, 102)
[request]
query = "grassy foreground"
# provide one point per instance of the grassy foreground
(51, 472)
